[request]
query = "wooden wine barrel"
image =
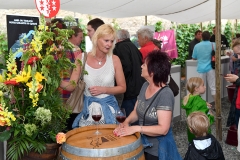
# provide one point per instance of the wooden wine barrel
(82, 143)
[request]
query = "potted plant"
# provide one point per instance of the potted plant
(31, 108)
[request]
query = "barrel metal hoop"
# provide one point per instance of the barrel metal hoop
(136, 156)
(109, 152)
(62, 157)
(132, 158)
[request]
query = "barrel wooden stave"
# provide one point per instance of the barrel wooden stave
(80, 144)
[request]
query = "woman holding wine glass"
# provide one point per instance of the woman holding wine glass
(153, 110)
(103, 69)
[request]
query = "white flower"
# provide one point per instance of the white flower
(43, 115)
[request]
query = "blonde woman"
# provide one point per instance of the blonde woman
(103, 69)
(194, 102)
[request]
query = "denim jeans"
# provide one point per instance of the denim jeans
(128, 105)
(167, 148)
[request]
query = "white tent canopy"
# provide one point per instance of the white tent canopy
(182, 11)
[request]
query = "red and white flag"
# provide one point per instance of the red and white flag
(49, 8)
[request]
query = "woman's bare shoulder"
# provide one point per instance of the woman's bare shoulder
(115, 58)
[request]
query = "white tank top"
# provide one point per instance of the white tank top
(103, 76)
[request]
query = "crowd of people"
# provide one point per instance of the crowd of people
(116, 66)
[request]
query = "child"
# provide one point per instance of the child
(193, 101)
(204, 146)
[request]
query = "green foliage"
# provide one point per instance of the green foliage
(115, 24)
(209, 28)
(158, 26)
(84, 28)
(238, 28)
(32, 106)
(71, 21)
(22, 145)
(3, 49)
(228, 32)
(3, 43)
(184, 34)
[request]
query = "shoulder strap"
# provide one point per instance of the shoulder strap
(151, 104)
(83, 66)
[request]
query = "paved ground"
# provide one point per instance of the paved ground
(179, 129)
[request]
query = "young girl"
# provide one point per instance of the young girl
(194, 102)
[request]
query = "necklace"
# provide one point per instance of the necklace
(99, 61)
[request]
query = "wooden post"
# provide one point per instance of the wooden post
(145, 20)
(218, 71)
(201, 27)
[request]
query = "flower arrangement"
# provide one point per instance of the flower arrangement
(31, 108)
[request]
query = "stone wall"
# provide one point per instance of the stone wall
(132, 24)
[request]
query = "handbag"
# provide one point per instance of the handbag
(213, 58)
(75, 101)
(173, 86)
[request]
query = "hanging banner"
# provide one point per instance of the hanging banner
(168, 42)
(17, 28)
(49, 8)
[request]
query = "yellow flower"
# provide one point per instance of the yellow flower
(36, 45)
(6, 117)
(41, 27)
(1, 78)
(12, 67)
(39, 77)
(33, 88)
(2, 121)
(29, 85)
(24, 76)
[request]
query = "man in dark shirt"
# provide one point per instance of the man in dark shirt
(131, 59)
(196, 40)
(224, 41)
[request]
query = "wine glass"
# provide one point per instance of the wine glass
(96, 116)
(121, 115)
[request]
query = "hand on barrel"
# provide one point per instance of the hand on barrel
(125, 130)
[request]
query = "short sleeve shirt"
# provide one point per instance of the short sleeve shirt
(202, 52)
(163, 101)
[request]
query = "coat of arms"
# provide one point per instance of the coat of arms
(49, 8)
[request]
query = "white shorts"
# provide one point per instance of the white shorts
(210, 77)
